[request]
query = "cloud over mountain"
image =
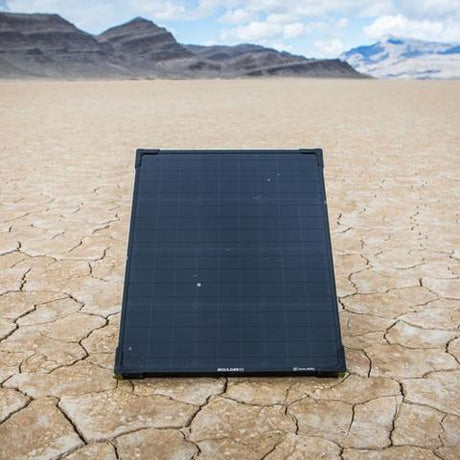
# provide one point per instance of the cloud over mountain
(306, 27)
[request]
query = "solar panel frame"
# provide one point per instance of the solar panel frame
(128, 368)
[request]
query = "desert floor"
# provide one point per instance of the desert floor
(392, 165)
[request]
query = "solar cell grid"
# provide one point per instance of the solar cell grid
(229, 266)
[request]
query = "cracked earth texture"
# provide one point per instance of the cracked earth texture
(392, 155)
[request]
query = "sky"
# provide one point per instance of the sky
(313, 28)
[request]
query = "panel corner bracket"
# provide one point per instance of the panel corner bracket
(141, 152)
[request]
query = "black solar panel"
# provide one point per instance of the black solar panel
(229, 266)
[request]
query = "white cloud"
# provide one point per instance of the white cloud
(429, 9)
(423, 29)
(329, 48)
(295, 30)
(97, 15)
(377, 8)
(261, 31)
(275, 28)
(281, 18)
(284, 11)
(171, 9)
(253, 32)
(89, 16)
(163, 11)
(237, 16)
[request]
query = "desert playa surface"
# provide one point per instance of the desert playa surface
(392, 166)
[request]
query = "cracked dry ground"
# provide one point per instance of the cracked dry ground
(392, 153)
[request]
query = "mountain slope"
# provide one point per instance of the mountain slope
(48, 45)
(152, 51)
(401, 58)
(255, 60)
(244, 58)
(142, 40)
(321, 68)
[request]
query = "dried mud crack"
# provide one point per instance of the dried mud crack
(64, 211)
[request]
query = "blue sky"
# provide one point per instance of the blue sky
(315, 28)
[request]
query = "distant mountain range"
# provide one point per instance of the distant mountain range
(401, 58)
(48, 46)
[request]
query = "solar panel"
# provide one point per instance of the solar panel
(229, 267)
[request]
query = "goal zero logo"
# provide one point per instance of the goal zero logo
(297, 369)
(230, 369)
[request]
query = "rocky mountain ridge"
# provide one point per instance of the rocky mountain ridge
(406, 58)
(48, 46)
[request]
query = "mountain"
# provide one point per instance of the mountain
(144, 41)
(254, 60)
(48, 46)
(152, 51)
(244, 58)
(401, 58)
